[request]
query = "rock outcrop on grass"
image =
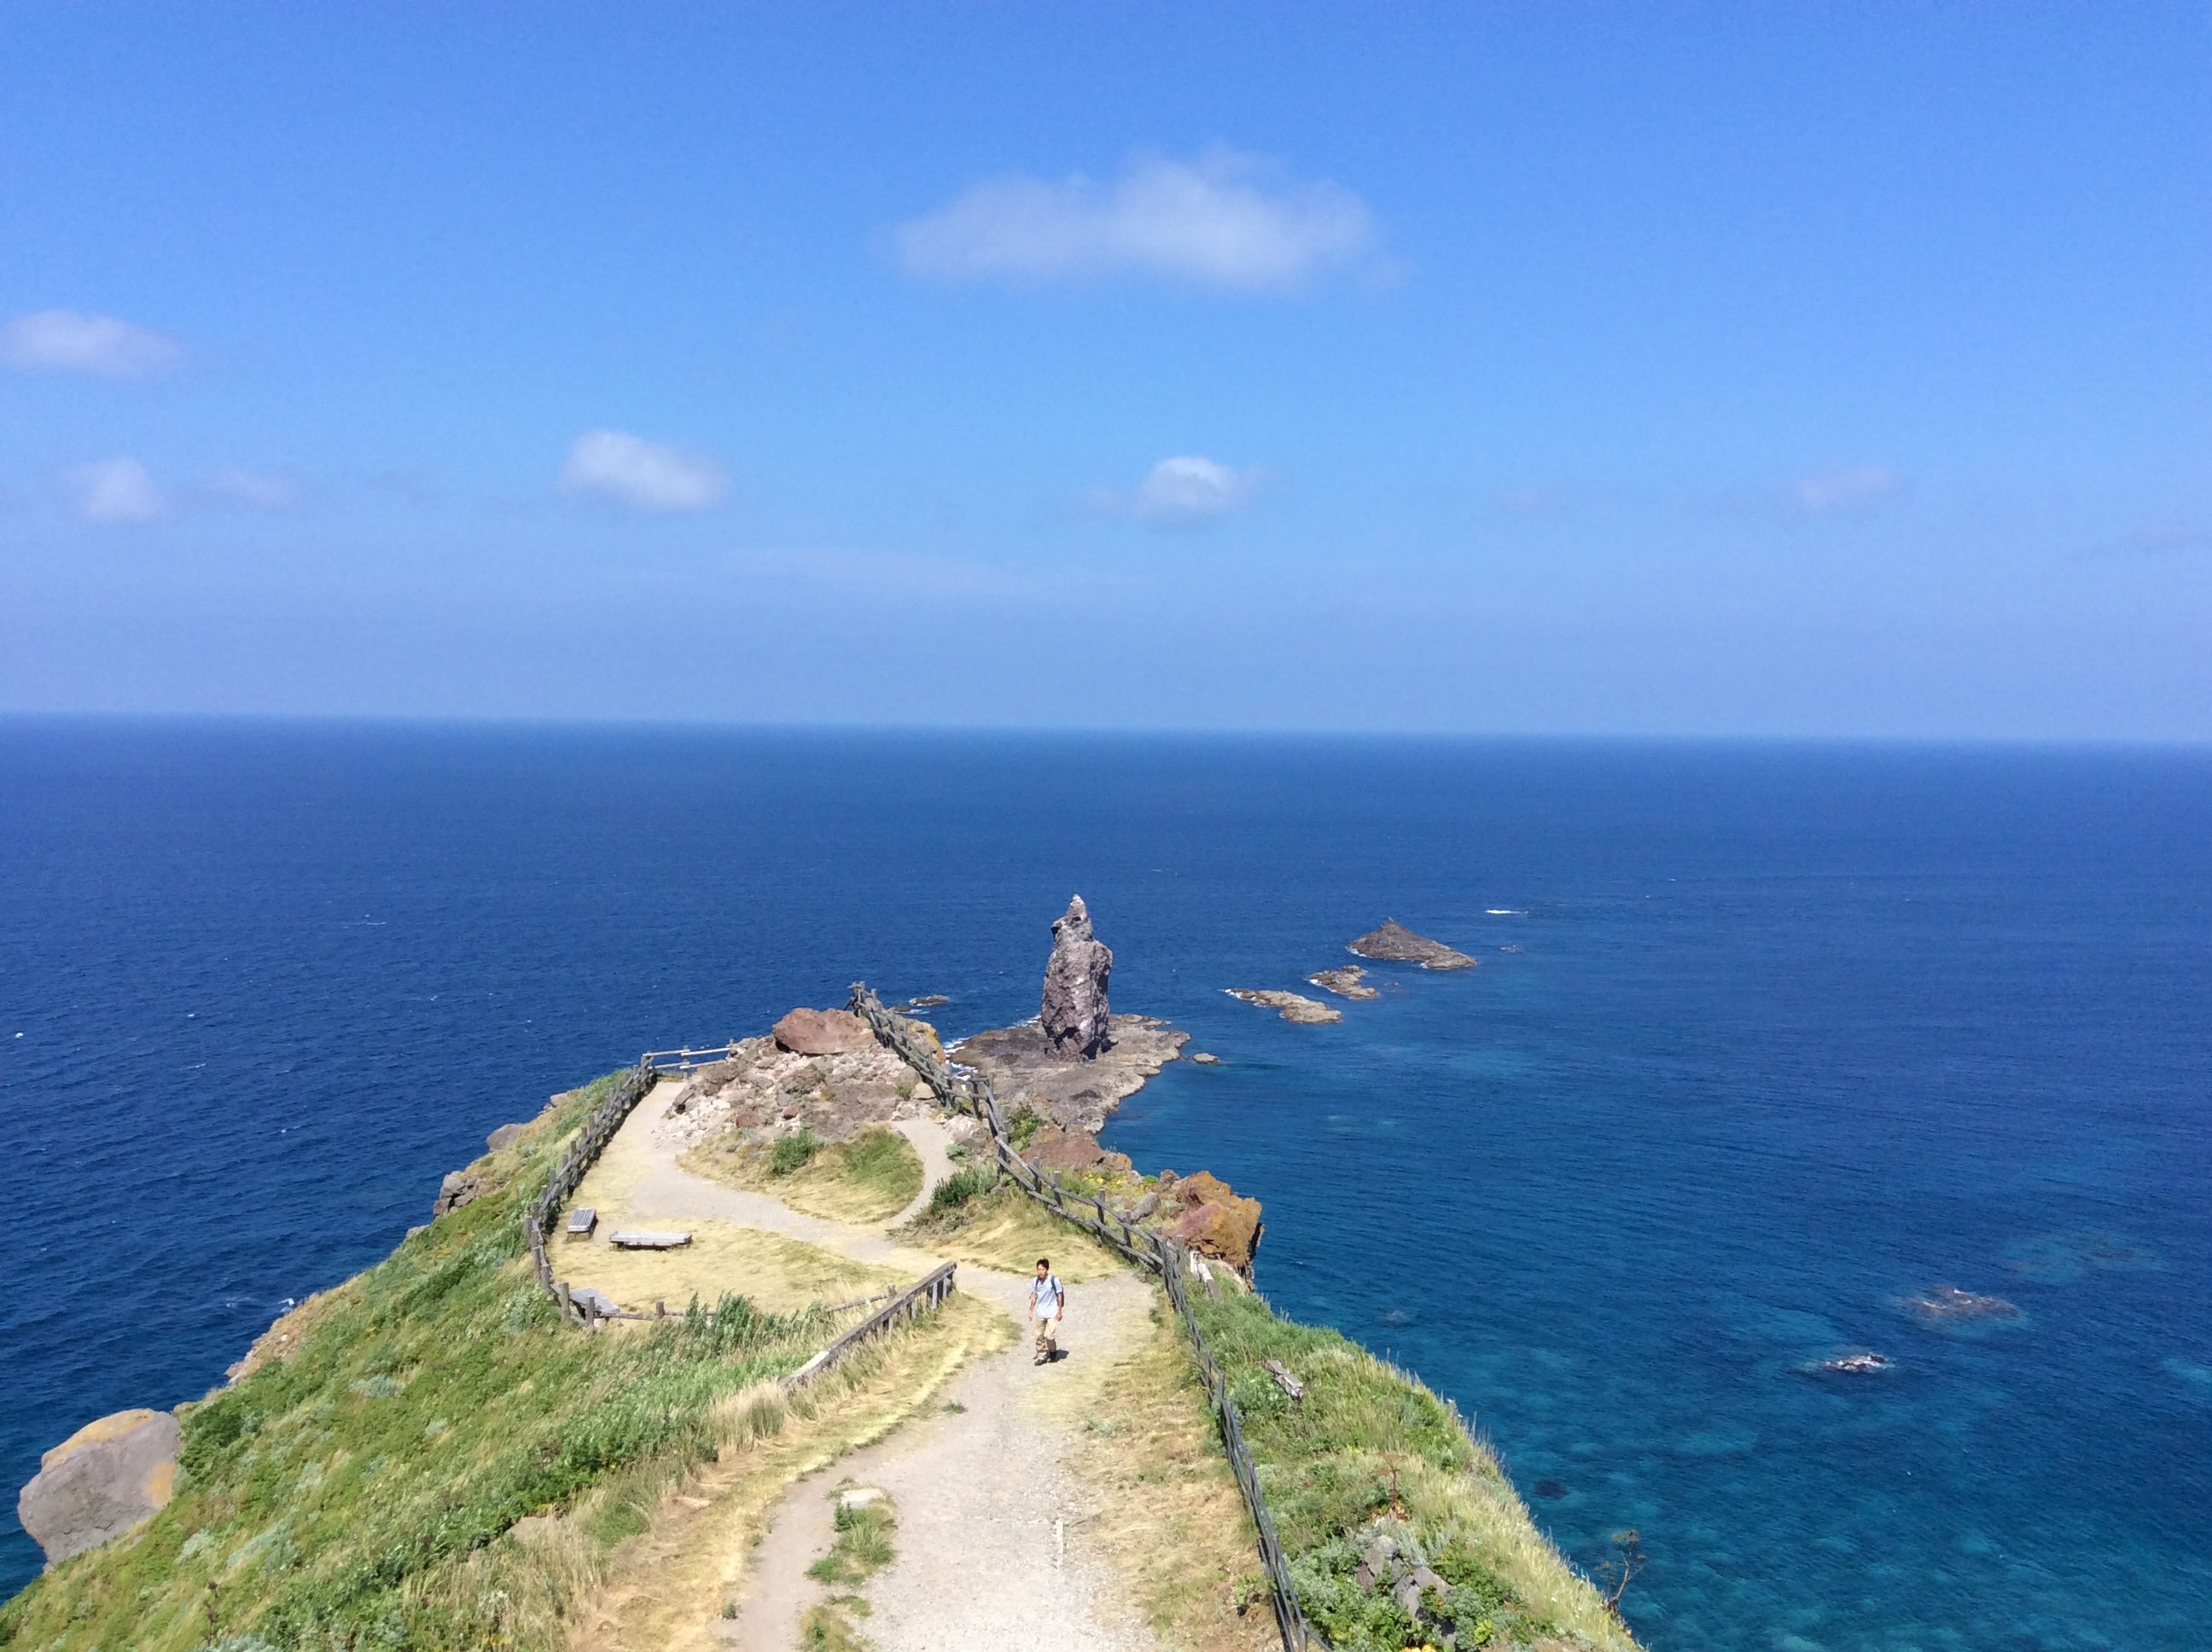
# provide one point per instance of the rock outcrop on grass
(1076, 1018)
(765, 1088)
(1393, 942)
(1216, 1220)
(100, 1482)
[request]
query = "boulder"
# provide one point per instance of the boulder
(100, 1482)
(1393, 942)
(1075, 1013)
(459, 1188)
(1217, 1221)
(506, 1136)
(823, 1032)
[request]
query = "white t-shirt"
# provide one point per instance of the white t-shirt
(1047, 1298)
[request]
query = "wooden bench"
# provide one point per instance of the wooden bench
(626, 1239)
(582, 1221)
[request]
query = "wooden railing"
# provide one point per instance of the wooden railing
(929, 1292)
(684, 1060)
(539, 1222)
(971, 1093)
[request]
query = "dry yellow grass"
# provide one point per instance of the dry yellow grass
(1163, 1507)
(663, 1590)
(779, 1274)
(865, 1180)
(1007, 1230)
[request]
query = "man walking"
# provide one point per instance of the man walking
(1048, 1302)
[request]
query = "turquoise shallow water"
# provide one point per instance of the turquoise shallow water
(1790, 1034)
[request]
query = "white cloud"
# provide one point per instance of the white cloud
(612, 464)
(254, 490)
(113, 492)
(1189, 492)
(1224, 220)
(1834, 491)
(63, 341)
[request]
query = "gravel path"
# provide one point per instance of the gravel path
(990, 1555)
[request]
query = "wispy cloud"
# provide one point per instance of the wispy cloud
(64, 341)
(1188, 491)
(1226, 221)
(1831, 493)
(645, 475)
(113, 492)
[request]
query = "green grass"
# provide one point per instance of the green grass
(355, 1493)
(862, 1547)
(956, 1189)
(1370, 1451)
(792, 1152)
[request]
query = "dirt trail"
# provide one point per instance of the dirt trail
(990, 1552)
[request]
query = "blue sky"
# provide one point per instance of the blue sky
(1779, 370)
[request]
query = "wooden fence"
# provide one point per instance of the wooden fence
(1147, 1248)
(684, 1060)
(929, 1292)
(539, 1222)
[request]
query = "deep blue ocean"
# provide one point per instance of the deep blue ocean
(1764, 1039)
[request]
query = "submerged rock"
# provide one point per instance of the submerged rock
(1947, 1301)
(1075, 1015)
(100, 1482)
(1863, 1362)
(1393, 942)
(1293, 1006)
(1345, 982)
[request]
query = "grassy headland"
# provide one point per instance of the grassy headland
(362, 1490)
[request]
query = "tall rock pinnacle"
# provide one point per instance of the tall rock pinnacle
(1075, 1009)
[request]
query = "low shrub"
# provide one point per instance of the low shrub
(956, 1189)
(792, 1152)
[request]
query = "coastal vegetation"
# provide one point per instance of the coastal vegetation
(1400, 1525)
(399, 1475)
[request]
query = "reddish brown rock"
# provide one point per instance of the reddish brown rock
(1055, 1149)
(1217, 1221)
(823, 1032)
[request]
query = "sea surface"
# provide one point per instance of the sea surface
(1765, 1040)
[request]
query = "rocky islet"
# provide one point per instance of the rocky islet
(1391, 942)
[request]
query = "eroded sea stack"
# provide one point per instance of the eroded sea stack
(1075, 1012)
